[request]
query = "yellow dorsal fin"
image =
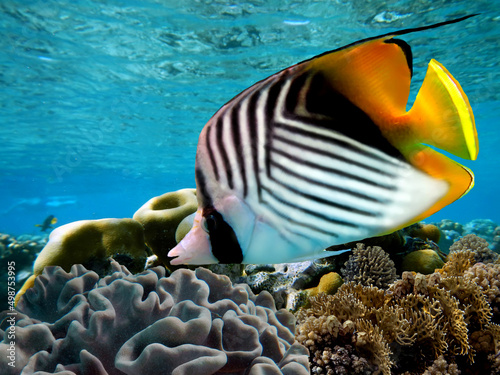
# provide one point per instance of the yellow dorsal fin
(374, 75)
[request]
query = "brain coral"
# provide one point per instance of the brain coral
(369, 266)
(192, 322)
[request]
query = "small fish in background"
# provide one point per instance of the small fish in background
(324, 153)
(47, 223)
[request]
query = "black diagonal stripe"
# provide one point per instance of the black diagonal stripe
(326, 139)
(329, 170)
(296, 222)
(331, 155)
(208, 142)
(319, 215)
(222, 149)
(269, 111)
(201, 188)
(253, 141)
(345, 117)
(293, 95)
(318, 199)
(329, 186)
(236, 138)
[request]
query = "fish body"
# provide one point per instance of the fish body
(47, 223)
(324, 153)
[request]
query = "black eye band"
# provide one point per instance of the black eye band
(225, 245)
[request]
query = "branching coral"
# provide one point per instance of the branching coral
(188, 323)
(419, 318)
(471, 300)
(441, 367)
(471, 242)
(369, 266)
(458, 262)
(355, 314)
(487, 276)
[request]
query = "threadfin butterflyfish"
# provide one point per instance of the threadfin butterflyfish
(324, 152)
(47, 223)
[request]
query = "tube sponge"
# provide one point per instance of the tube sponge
(161, 216)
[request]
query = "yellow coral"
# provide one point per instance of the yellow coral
(424, 261)
(454, 318)
(328, 284)
(458, 262)
(472, 300)
(428, 316)
(80, 241)
(425, 315)
(369, 338)
(161, 216)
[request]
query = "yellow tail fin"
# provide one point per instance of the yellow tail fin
(442, 116)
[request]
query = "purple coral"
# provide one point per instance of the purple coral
(188, 323)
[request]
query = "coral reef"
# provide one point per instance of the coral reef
(85, 241)
(21, 251)
(187, 323)
(350, 317)
(161, 216)
(451, 232)
(369, 266)
(405, 328)
(480, 247)
(286, 281)
(485, 229)
(487, 276)
(441, 367)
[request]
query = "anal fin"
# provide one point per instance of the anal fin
(459, 178)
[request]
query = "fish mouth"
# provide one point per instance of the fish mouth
(194, 249)
(179, 253)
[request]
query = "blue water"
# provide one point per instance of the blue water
(102, 101)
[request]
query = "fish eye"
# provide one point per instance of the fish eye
(210, 222)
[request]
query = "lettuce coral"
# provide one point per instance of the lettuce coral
(192, 322)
